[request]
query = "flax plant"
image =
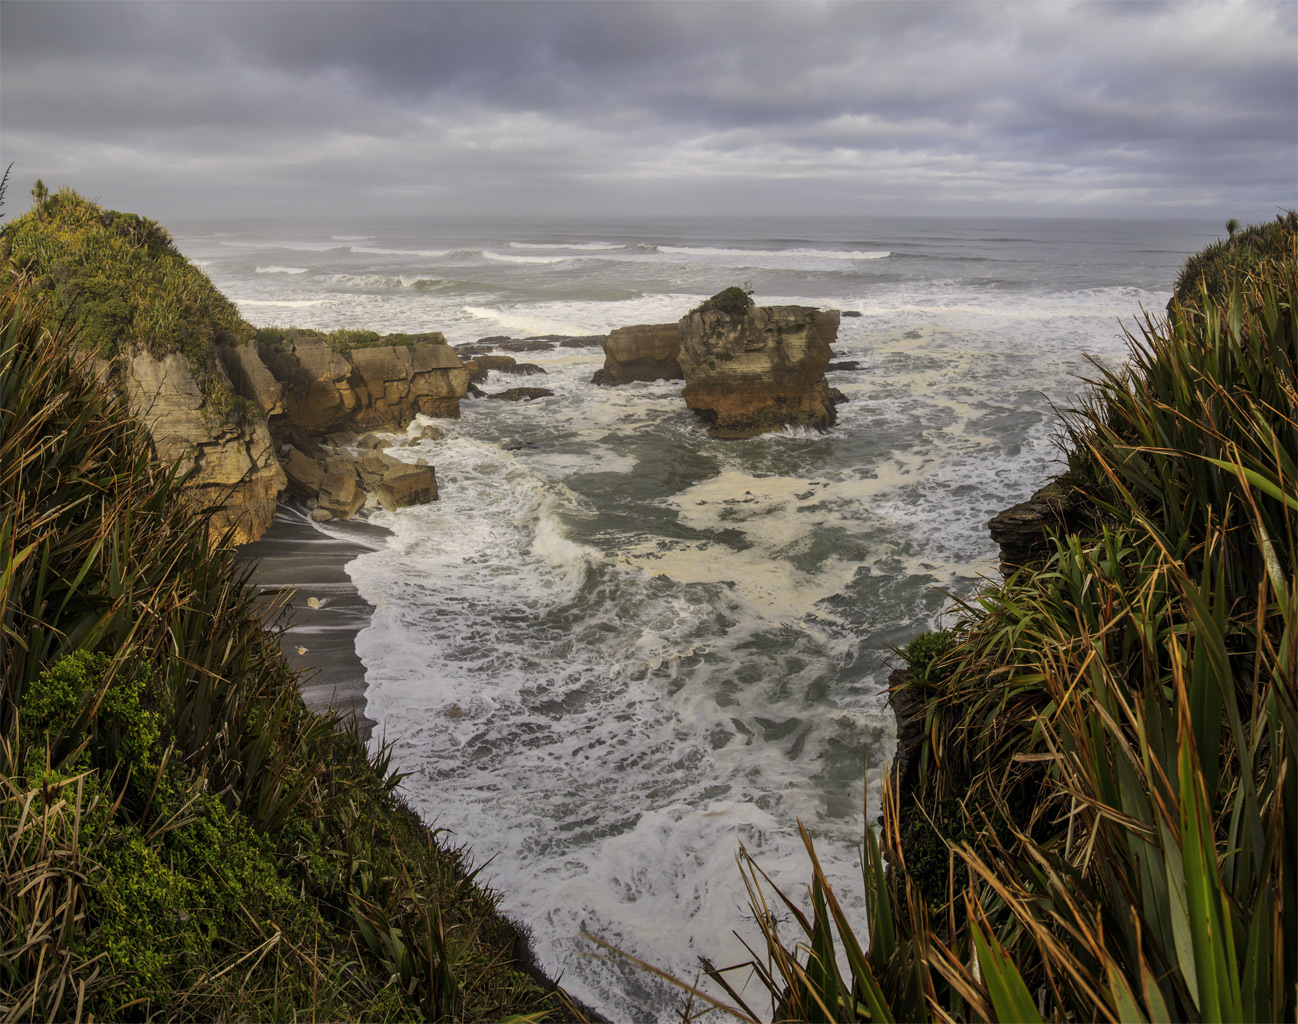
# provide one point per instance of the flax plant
(179, 837)
(1105, 823)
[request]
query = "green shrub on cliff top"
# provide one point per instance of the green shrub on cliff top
(120, 277)
(733, 301)
(1244, 252)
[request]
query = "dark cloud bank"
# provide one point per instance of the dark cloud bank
(555, 108)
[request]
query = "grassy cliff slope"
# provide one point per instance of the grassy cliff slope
(179, 838)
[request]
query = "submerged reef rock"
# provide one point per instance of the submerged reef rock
(644, 352)
(521, 394)
(481, 365)
(224, 453)
(760, 371)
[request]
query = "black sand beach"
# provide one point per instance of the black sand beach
(324, 612)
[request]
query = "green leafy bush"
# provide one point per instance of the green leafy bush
(733, 302)
(924, 651)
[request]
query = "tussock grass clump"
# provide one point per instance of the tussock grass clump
(179, 837)
(1109, 759)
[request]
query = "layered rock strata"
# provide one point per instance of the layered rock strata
(645, 352)
(324, 390)
(759, 372)
(291, 395)
(1023, 531)
(225, 455)
(336, 483)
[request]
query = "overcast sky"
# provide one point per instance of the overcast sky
(1059, 109)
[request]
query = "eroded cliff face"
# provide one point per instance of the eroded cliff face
(760, 372)
(288, 397)
(643, 352)
(226, 457)
(386, 386)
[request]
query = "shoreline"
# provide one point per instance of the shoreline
(324, 612)
(295, 555)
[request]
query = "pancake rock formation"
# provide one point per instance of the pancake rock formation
(761, 371)
(323, 389)
(225, 457)
(644, 352)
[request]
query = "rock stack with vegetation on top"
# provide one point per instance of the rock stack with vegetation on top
(753, 369)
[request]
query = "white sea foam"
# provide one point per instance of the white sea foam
(764, 257)
(386, 281)
(424, 253)
(293, 246)
(503, 257)
(587, 246)
(351, 238)
(524, 322)
(283, 270)
(284, 303)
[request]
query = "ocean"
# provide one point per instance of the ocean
(616, 650)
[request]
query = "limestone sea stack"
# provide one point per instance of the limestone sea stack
(644, 352)
(763, 370)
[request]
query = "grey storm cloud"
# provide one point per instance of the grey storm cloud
(799, 106)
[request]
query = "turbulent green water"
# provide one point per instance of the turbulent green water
(616, 649)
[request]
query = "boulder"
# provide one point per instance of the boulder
(305, 474)
(404, 484)
(341, 493)
(644, 352)
(763, 371)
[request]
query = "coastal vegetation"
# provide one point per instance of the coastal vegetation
(734, 302)
(180, 838)
(1102, 822)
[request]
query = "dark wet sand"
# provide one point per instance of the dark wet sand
(295, 555)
